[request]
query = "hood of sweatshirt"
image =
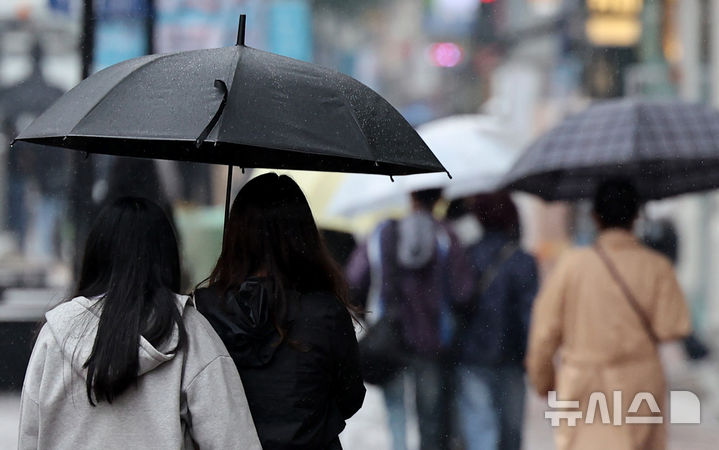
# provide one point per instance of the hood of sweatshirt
(242, 319)
(74, 325)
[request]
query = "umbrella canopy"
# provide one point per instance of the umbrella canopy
(237, 106)
(476, 150)
(665, 148)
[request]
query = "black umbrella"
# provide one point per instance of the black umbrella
(236, 106)
(665, 148)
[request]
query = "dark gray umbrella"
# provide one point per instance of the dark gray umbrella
(665, 147)
(237, 106)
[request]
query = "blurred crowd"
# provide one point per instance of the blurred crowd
(449, 307)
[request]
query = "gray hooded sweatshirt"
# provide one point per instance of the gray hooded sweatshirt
(192, 399)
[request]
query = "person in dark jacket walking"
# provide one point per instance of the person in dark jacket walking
(46, 169)
(500, 283)
(279, 302)
(407, 266)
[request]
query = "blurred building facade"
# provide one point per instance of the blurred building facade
(531, 62)
(534, 62)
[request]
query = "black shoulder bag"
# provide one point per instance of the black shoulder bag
(383, 352)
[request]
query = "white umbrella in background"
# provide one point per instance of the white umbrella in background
(475, 149)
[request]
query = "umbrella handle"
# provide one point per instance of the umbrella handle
(219, 84)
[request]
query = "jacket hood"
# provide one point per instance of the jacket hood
(74, 325)
(243, 321)
(416, 240)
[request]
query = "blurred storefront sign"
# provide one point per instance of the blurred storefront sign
(120, 31)
(120, 28)
(22, 9)
(117, 40)
(190, 25)
(104, 9)
(451, 18)
(652, 76)
(290, 29)
(107, 9)
(445, 54)
(279, 26)
(614, 23)
(606, 69)
(62, 6)
(545, 7)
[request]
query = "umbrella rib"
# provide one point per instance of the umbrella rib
(106, 94)
(231, 78)
(356, 121)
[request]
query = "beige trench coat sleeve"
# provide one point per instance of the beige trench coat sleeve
(545, 331)
(671, 319)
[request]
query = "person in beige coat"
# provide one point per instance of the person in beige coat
(599, 318)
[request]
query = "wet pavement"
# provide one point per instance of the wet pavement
(9, 414)
(367, 429)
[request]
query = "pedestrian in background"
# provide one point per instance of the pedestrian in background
(493, 322)
(35, 222)
(606, 309)
(406, 266)
(279, 302)
(128, 363)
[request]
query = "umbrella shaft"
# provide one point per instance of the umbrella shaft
(241, 30)
(228, 195)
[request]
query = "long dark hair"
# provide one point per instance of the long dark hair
(271, 232)
(131, 260)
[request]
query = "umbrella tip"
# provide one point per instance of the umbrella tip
(449, 175)
(241, 30)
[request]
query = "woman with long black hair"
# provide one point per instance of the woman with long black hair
(128, 363)
(279, 302)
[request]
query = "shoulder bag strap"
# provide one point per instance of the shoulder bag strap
(383, 263)
(627, 293)
(491, 272)
(488, 276)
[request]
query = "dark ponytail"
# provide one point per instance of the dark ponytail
(131, 260)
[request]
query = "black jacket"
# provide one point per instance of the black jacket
(301, 391)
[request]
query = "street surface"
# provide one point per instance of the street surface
(367, 430)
